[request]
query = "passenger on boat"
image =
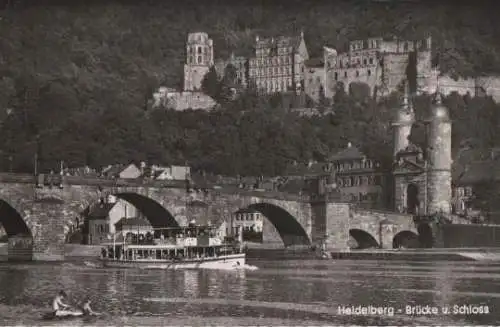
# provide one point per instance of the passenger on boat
(59, 308)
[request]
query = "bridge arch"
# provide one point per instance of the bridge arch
(157, 215)
(288, 227)
(406, 239)
(363, 239)
(19, 234)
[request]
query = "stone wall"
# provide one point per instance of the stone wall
(455, 236)
(314, 80)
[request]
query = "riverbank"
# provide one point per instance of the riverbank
(451, 254)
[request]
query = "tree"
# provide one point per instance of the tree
(210, 83)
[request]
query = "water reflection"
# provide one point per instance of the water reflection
(280, 290)
(191, 286)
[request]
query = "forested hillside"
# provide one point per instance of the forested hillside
(75, 80)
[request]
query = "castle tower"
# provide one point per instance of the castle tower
(199, 59)
(402, 123)
(439, 158)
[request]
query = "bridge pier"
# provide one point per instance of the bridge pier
(330, 230)
(49, 236)
(386, 235)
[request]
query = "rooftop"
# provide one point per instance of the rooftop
(100, 211)
(132, 222)
(349, 153)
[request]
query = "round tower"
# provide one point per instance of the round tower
(439, 158)
(401, 125)
(199, 59)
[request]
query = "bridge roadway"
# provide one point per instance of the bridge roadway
(176, 184)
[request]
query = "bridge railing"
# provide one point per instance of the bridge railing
(122, 182)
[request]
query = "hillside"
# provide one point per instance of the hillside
(79, 77)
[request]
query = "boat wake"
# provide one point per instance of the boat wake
(91, 264)
(209, 266)
(225, 266)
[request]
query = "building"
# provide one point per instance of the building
(133, 225)
(380, 63)
(279, 64)
(130, 171)
(358, 178)
(240, 66)
(199, 59)
(102, 217)
(314, 82)
(248, 220)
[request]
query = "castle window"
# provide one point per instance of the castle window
(357, 73)
(341, 65)
(345, 74)
(369, 72)
(406, 46)
(371, 61)
(199, 50)
(336, 76)
(364, 61)
(199, 59)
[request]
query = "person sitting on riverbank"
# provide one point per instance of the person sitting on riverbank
(59, 308)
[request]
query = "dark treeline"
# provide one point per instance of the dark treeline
(76, 82)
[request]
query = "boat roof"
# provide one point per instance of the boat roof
(162, 246)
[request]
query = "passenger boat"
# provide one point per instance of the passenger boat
(173, 248)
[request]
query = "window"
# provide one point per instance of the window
(406, 46)
(336, 76)
(345, 74)
(369, 72)
(199, 50)
(364, 61)
(371, 61)
(199, 59)
(357, 73)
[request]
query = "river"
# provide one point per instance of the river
(268, 292)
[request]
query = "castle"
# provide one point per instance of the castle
(282, 64)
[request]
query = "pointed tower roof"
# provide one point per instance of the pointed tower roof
(438, 110)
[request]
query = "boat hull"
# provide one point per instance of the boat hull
(230, 261)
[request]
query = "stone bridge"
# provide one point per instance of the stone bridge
(36, 217)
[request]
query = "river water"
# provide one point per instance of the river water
(267, 292)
